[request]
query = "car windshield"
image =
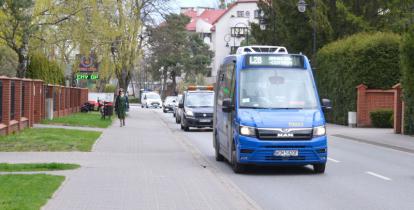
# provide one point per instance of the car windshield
(277, 88)
(201, 99)
(153, 96)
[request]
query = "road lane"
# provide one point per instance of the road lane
(345, 185)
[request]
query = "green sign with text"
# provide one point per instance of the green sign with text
(87, 76)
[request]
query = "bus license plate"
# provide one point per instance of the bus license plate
(286, 153)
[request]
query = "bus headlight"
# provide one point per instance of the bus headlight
(247, 131)
(319, 131)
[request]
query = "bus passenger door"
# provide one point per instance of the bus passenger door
(231, 82)
(220, 126)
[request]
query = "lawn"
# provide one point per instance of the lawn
(90, 119)
(49, 139)
(6, 167)
(27, 191)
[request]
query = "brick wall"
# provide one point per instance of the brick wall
(369, 100)
(30, 102)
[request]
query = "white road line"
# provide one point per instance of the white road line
(333, 160)
(378, 175)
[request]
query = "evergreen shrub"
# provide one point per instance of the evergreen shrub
(382, 118)
(365, 58)
(407, 64)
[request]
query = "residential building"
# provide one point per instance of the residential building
(223, 29)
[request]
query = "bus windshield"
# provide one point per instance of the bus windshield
(200, 99)
(276, 88)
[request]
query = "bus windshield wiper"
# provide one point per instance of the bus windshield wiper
(284, 108)
(252, 107)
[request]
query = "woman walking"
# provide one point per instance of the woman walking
(120, 106)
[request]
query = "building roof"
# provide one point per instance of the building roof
(208, 15)
(212, 15)
(233, 5)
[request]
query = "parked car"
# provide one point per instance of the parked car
(175, 108)
(151, 99)
(168, 105)
(179, 110)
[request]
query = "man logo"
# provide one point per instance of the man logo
(284, 135)
(204, 115)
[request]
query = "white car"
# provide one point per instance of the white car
(151, 99)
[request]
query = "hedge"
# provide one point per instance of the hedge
(382, 118)
(365, 58)
(40, 67)
(407, 67)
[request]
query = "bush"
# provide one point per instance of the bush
(110, 88)
(41, 68)
(382, 118)
(368, 58)
(407, 64)
(133, 100)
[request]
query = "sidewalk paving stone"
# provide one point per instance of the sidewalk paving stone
(139, 166)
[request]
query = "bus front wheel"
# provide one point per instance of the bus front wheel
(319, 168)
(219, 157)
(236, 166)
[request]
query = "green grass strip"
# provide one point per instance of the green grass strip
(6, 167)
(49, 139)
(90, 119)
(27, 191)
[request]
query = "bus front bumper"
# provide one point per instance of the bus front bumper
(258, 152)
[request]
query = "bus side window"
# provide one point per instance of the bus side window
(220, 85)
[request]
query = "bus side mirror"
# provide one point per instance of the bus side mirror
(181, 105)
(227, 105)
(326, 104)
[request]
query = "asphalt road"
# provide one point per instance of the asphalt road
(358, 176)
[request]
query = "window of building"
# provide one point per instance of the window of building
(13, 100)
(22, 101)
(240, 14)
(1, 101)
(247, 13)
(257, 14)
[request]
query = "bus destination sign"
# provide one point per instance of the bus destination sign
(287, 61)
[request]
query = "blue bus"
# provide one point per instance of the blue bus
(267, 110)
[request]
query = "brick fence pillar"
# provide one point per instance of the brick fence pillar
(6, 104)
(361, 105)
(397, 108)
(37, 106)
(18, 103)
(28, 101)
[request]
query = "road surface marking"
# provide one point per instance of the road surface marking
(378, 175)
(333, 160)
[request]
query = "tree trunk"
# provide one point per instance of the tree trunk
(164, 82)
(174, 83)
(23, 54)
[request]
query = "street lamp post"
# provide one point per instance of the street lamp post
(302, 8)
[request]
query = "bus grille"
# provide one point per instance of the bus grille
(284, 134)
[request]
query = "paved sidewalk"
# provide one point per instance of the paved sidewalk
(376, 136)
(140, 166)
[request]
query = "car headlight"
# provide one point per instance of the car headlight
(189, 113)
(247, 131)
(319, 131)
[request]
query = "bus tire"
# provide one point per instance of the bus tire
(219, 157)
(319, 168)
(237, 167)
